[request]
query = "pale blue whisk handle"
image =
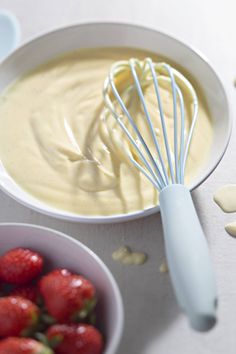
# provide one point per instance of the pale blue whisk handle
(188, 257)
(9, 33)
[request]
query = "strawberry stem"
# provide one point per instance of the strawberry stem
(41, 337)
(89, 305)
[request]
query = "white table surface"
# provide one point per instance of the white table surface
(153, 322)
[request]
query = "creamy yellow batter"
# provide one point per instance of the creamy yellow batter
(225, 197)
(57, 147)
(164, 267)
(231, 228)
(126, 256)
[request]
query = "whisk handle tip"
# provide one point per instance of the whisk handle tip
(188, 257)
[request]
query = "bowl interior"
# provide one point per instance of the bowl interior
(61, 41)
(60, 250)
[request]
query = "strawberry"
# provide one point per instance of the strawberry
(29, 292)
(68, 297)
(14, 345)
(18, 316)
(75, 339)
(20, 265)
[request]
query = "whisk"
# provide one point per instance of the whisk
(186, 247)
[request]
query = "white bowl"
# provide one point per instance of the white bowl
(89, 35)
(61, 250)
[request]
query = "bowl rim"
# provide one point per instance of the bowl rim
(94, 219)
(115, 340)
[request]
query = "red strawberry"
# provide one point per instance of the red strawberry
(60, 271)
(2, 290)
(14, 345)
(75, 339)
(20, 265)
(18, 316)
(68, 297)
(29, 292)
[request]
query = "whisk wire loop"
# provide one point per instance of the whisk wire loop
(163, 125)
(152, 177)
(173, 87)
(182, 124)
(134, 126)
(163, 172)
(154, 167)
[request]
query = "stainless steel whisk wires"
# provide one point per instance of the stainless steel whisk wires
(186, 247)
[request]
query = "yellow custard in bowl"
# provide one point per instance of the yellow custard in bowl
(56, 145)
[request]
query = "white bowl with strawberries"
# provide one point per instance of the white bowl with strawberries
(57, 296)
